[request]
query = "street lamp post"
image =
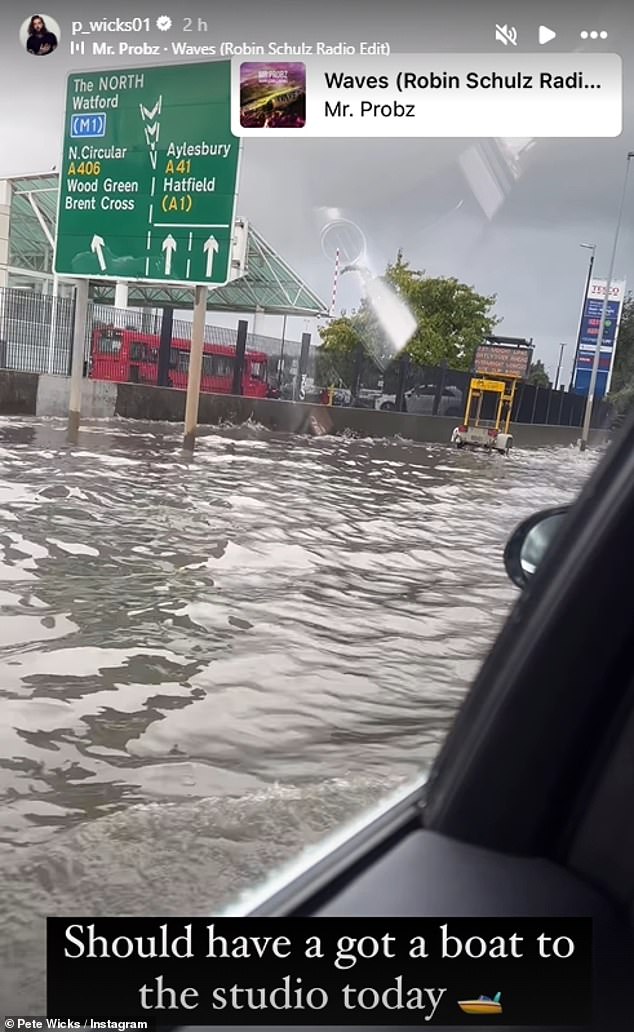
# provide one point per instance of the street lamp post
(583, 443)
(593, 248)
(561, 355)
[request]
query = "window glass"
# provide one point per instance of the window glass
(258, 370)
(110, 344)
(223, 365)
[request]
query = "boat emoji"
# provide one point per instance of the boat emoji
(483, 1005)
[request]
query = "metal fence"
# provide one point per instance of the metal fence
(36, 333)
(283, 355)
(438, 390)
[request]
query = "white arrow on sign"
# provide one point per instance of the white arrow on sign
(152, 133)
(156, 110)
(169, 246)
(96, 246)
(210, 246)
(152, 130)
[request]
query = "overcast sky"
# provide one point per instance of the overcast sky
(401, 193)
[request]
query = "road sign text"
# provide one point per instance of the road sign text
(155, 200)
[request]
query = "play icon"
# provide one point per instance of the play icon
(545, 34)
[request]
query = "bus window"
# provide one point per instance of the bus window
(136, 351)
(110, 343)
(258, 370)
(222, 365)
(182, 363)
(150, 355)
(208, 365)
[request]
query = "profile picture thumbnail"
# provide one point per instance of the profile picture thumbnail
(39, 35)
(272, 95)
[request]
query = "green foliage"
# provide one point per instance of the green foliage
(342, 336)
(339, 343)
(623, 401)
(538, 376)
(623, 375)
(453, 319)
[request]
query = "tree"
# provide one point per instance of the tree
(342, 336)
(622, 387)
(452, 320)
(339, 343)
(538, 376)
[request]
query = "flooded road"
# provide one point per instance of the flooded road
(205, 667)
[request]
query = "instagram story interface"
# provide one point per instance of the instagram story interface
(304, 308)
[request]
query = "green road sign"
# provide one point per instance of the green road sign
(149, 175)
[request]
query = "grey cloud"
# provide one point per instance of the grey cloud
(409, 193)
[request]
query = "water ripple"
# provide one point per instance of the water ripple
(191, 653)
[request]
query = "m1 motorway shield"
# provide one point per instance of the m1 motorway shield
(149, 175)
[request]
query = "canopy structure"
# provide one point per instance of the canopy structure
(28, 215)
(28, 208)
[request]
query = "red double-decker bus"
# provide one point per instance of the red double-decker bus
(132, 357)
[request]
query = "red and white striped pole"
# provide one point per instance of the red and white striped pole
(334, 284)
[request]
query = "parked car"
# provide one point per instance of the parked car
(367, 398)
(419, 401)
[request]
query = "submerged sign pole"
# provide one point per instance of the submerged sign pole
(77, 367)
(195, 368)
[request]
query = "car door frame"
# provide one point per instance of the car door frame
(508, 770)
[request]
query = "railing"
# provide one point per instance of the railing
(438, 390)
(36, 333)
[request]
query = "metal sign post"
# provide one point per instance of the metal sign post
(593, 249)
(195, 368)
(77, 367)
(302, 371)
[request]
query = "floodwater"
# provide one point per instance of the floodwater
(205, 667)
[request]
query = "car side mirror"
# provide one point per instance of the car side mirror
(529, 542)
